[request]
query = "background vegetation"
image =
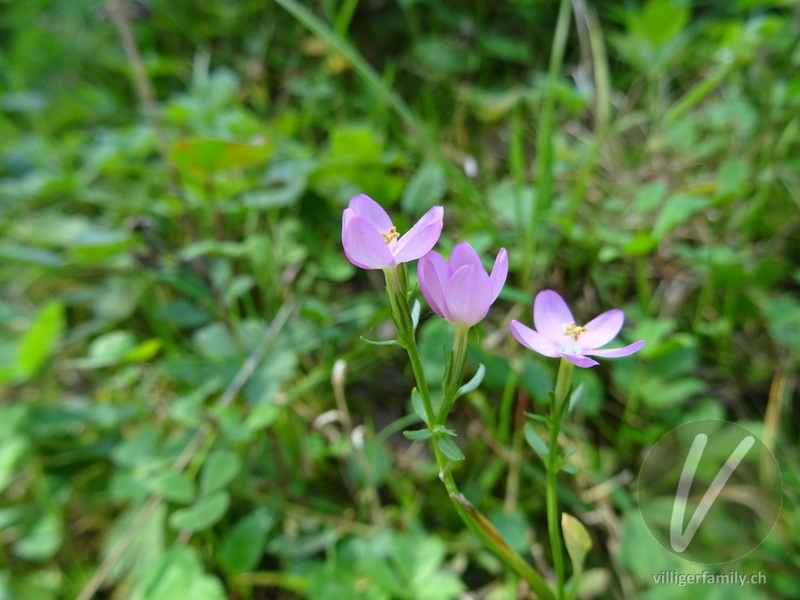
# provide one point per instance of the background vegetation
(187, 410)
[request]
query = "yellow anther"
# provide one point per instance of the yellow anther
(390, 235)
(574, 331)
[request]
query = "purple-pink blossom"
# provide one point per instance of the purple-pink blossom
(371, 241)
(557, 334)
(460, 290)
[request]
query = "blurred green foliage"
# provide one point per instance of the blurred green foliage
(148, 256)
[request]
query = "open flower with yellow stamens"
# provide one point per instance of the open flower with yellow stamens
(371, 241)
(557, 335)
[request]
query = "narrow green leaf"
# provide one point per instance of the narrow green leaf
(570, 469)
(538, 418)
(39, 339)
(449, 448)
(442, 430)
(415, 310)
(418, 406)
(535, 442)
(12, 450)
(576, 396)
(421, 434)
(384, 343)
(472, 383)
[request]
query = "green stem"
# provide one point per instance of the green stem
(560, 398)
(481, 528)
(454, 372)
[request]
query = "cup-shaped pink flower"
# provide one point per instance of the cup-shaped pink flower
(371, 241)
(459, 290)
(557, 335)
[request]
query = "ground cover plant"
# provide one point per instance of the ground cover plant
(189, 407)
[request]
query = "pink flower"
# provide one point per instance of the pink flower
(557, 335)
(460, 290)
(371, 241)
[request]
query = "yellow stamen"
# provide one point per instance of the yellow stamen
(574, 331)
(390, 235)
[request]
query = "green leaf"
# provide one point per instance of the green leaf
(383, 343)
(421, 434)
(472, 383)
(677, 210)
(144, 351)
(176, 487)
(449, 448)
(39, 339)
(415, 310)
(418, 406)
(659, 21)
(442, 430)
(42, 540)
(425, 188)
(243, 544)
(569, 469)
(641, 243)
(576, 396)
(783, 320)
(732, 176)
(106, 350)
(202, 514)
(12, 449)
(219, 470)
(577, 541)
(538, 418)
(534, 441)
(178, 574)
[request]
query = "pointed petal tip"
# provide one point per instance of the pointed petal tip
(618, 352)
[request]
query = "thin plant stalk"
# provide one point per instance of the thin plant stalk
(481, 528)
(560, 400)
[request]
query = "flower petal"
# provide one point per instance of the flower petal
(468, 295)
(602, 329)
(365, 207)
(550, 314)
(617, 352)
(420, 238)
(579, 360)
(463, 254)
(499, 273)
(533, 340)
(432, 274)
(364, 246)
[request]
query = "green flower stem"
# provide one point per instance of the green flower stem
(397, 290)
(560, 400)
(480, 526)
(455, 371)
